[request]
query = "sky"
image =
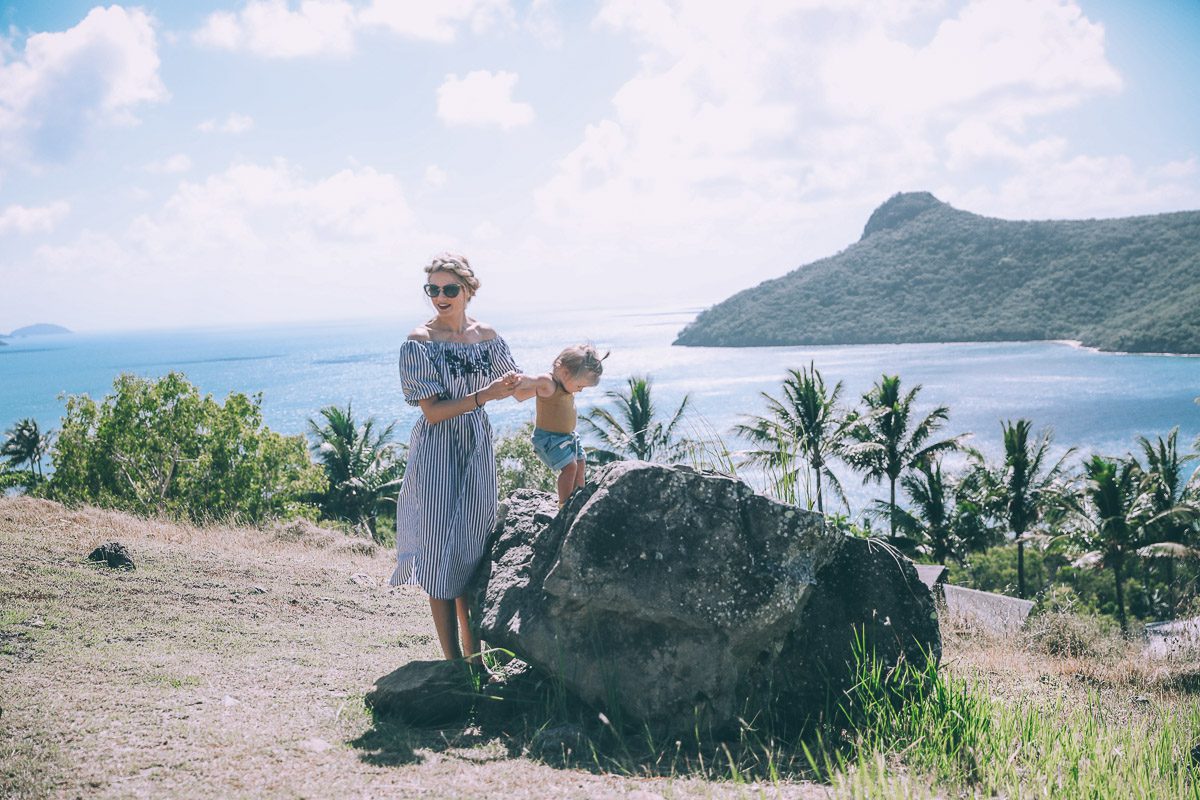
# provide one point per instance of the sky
(248, 162)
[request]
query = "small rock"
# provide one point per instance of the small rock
(315, 745)
(425, 692)
(36, 622)
(257, 590)
(229, 701)
(1141, 699)
(363, 579)
(114, 554)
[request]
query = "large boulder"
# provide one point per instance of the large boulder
(673, 597)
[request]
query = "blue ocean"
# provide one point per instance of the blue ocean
(1096, 402)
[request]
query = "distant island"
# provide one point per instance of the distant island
(924, 271)
(40, 329)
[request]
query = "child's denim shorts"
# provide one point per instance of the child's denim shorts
(557, 450)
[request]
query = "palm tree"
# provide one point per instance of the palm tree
(1168, 509)
(884, 443)
(1023, 488)
(26, 443)
(1106, 511)
(804, 423)
(360, 463)
(930, 524)
(632, 428)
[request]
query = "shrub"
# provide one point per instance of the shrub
(518, 467)
(159, 446)
(1058, 627)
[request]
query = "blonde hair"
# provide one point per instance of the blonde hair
(458, 266)
(581, 358)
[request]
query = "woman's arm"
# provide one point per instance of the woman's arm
(436, 410)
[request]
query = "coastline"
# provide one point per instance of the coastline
(1072, 343)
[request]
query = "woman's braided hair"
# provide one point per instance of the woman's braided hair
(581, 358)
(457, 264)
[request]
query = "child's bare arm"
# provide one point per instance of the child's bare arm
(529, 385)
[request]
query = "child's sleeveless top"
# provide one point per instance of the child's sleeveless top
(556, 413)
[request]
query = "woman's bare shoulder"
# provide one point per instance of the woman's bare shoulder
(484, 332)
(420, 334)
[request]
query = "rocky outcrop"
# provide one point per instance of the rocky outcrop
(671, 597)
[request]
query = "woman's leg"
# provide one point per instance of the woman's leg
(469, 645)
(444, 622)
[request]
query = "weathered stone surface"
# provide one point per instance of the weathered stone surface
(674, 597)
(869, 596)
(114, 554)
(425, 692)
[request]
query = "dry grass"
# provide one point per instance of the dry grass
(232, 663)
(1113, 675)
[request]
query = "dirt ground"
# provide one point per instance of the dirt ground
(233, 663)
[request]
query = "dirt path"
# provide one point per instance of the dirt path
(231, 664)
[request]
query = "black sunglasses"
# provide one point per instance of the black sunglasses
(450, 289)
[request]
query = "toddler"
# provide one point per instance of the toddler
(554, 438)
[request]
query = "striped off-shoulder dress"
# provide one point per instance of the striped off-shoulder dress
(447, 503)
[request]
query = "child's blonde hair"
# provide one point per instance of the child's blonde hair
(581, 358)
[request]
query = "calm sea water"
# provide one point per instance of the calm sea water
(1097, 402)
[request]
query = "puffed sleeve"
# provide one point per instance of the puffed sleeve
(502, 359)
(419, 377)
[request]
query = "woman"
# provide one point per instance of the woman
(452, 366)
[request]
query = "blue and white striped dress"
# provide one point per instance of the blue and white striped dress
(447, 503)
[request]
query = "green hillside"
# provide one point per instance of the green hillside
(926, 272)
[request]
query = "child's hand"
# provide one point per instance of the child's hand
(502, 387)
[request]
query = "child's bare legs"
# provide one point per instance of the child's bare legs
(566, 483)
(570, 479)
(445, 613)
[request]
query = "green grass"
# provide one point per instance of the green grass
(911, 731)
(952, 732)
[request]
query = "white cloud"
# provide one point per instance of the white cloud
(755, 137)
(280, 29)
(482, 98)
(254, 242)
(38, 219)
(234, 123)
(1018, 58)
(64, 83)
(270, 29)
(436, 21)
(435, 176)
(541, 20)
(1090, 186)
(172, 165)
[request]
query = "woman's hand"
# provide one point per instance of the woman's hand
(436, 410)
(500, 388)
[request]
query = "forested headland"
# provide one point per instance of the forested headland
(924, 271)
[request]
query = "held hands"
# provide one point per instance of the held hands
(500, 388)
